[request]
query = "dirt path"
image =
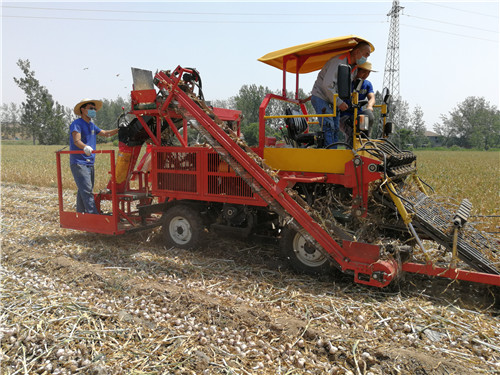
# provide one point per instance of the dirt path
(92, 304)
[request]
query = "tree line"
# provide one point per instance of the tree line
(43, 119)
(474, 123)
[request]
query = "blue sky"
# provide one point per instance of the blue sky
(448, 50)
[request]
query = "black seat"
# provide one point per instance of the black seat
(296, 127)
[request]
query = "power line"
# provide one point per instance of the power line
(219, 14)
(196, 13)
(183, 21)
(461, 10)
(450, 23)
(446, 32)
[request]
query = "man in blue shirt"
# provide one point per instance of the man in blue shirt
(366, 92)
(83, 136)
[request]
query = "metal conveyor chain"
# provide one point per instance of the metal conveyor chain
(436, 221)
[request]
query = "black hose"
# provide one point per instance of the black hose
(426, 184)
(400, 197)
(197, 82)
(338, 144)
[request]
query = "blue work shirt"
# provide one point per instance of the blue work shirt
(366, 88)
(89, 132)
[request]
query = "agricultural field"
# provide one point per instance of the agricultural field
(80, 303)
(474, 175)
(36, 165)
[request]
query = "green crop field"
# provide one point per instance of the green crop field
(458, 174)
(36, 165)
(474, 175)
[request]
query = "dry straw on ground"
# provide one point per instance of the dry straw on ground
(90, 304)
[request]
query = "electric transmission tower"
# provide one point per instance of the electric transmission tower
(391, 73)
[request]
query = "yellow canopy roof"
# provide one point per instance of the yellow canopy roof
(315, 54)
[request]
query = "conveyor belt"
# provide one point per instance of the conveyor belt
(256, 174)
(437, 222)
(286, 202)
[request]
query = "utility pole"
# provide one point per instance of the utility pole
(391, 73)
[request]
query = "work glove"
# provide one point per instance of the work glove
(88, 150)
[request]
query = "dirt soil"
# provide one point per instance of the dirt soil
(83, 303)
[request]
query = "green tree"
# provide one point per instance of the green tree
(54, 123)
(251, 133)
(248, 102)
(401, 114)
(417, 126)
(111, 109)
(278, 108)
(9, 116)
(32, 89)
(14, 119)
(41, 117)
(473, 123)
(108, 115)
(405, 138)
(445, 132)
(377, 117)
(224, 103)
(401, 119)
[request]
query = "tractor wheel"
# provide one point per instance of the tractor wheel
(182, 227)
(303, 257)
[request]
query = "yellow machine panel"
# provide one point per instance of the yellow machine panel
(307, 159)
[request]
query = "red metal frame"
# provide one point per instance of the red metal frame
(106, 224)
(386, 269)
(452, 273)
(122, 218)
(199, 173)
(262, 114)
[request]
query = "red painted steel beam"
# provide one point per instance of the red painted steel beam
(59, 182)
(262, 121)
(452, 273)
(181, 139)
(157, 141)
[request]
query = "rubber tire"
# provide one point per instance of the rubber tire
(182, 227)
(301, 255)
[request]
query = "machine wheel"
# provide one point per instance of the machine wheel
(182, 227)
(303, 257)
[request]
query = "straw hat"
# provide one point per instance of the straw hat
(98, 105)
(366, 66)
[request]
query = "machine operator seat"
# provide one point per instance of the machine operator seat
(296, 128)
